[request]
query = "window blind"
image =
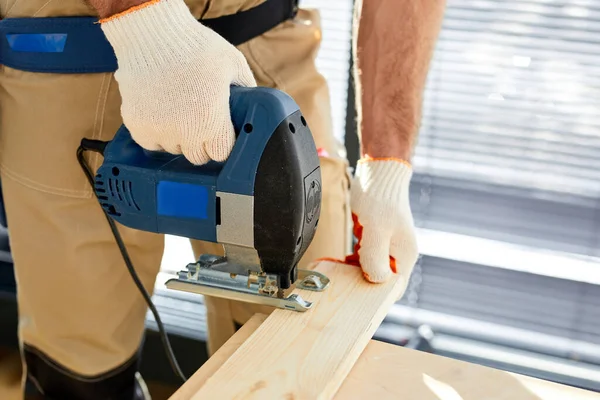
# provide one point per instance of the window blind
(333, 59)
(509, 152)
(510, 138)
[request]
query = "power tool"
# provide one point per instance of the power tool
(263, 203)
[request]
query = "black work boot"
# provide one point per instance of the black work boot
(55, 382)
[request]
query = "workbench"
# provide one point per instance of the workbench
(332, 359)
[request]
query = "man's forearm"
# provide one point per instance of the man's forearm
(393, 45)
(107, 8)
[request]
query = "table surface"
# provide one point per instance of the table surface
(384, 371)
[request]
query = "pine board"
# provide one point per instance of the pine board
(307, 355)
(196, 381)
(387, 372)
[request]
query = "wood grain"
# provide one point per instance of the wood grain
(196, 381)
(387, 372)
(384, 372)
(307, 355)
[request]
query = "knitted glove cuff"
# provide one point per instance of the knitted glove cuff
(383, 181)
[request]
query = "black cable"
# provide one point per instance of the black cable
(98, 146)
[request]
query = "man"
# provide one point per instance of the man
(81, 317)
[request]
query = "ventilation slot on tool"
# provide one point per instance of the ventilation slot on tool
(117, 189)
(111, 187)
(123, 190)
(110, 209)
(100, 190)
(129, 193)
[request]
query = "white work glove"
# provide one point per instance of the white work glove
(383, 222)
(174, 76)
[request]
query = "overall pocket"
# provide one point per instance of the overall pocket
(43, 118)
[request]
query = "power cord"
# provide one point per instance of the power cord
(98, 146)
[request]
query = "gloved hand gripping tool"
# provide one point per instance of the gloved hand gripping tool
(263, 204)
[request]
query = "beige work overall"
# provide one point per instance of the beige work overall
(78, 305)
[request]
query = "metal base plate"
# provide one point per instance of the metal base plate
(215, 276)
(293, 302)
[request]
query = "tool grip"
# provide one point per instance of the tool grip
(162, 192)
(256, 114)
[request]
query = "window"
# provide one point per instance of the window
(510, 138)
(333, 60)
(506, 191)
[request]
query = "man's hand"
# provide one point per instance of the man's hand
(393, 44)
(383, 222)
(174, 77)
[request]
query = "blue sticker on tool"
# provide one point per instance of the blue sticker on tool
(182, 200)
(37, 42)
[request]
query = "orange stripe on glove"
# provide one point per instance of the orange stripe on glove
(354, 258)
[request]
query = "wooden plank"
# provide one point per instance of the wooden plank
(196, 381)
(307, 355)
(384, 372)
(387, 372)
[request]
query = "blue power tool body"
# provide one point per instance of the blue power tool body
(263, 203)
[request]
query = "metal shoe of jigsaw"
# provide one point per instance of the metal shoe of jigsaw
(263, 204)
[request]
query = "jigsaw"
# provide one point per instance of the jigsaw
(262, 204)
